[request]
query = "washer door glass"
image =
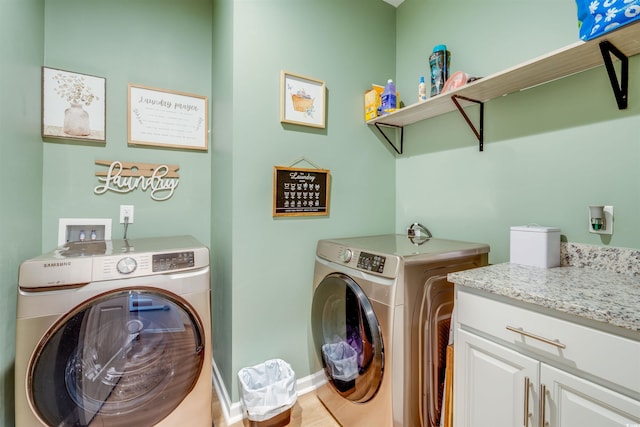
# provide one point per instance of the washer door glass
(347, 337)
(125, 358)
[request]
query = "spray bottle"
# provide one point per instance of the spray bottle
(422, 90)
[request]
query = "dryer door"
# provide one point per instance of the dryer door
(347, 337)
(125, 358)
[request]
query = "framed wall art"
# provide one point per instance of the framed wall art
(300, 192)
(73, 105)
(167, 118)
(302, 100)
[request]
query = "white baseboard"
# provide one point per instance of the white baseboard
(232, 411)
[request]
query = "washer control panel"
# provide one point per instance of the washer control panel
(85, 262)
(172, 261)
(141, 264)
(371, 262)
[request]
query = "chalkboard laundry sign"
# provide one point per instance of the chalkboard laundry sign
(300, 192)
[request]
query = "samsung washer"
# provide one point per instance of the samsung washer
(115, 333)
(380, 319)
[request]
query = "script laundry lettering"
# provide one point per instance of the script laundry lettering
(161, 187)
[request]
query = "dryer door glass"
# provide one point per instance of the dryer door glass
(347, 338)
(125, 358)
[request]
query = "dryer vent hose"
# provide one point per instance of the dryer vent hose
(418, 233)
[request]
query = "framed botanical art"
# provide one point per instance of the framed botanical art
(73, 105)
(302, 100)
(167, 118)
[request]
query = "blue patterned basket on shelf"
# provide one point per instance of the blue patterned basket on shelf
(597, 17)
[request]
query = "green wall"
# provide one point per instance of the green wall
(266, 278)
(550, 151)
(158, 43)
(222, 243)
(262, 267)
(21, 47)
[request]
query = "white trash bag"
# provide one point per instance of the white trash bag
(267, 389)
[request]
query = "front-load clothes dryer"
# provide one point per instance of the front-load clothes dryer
(115, 333)
(381, 314)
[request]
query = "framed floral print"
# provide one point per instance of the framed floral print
(73, 105)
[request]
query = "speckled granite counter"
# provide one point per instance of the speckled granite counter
(596, 292)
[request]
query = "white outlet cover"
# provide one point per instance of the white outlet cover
(127, 208)
(65, 223)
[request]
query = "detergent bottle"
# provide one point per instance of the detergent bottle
(388, 101)
(439, 63)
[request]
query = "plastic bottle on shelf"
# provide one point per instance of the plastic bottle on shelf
(439, 63)
(388, 99)
(422, 90)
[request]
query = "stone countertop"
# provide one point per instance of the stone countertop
(599, 295)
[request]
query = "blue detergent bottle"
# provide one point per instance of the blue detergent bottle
(439, 63)
(388, 99)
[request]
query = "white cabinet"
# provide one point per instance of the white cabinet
(574, 401)
(492, 384)
(517, 367)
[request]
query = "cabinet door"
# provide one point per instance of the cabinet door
(573, 401)
(494, 386)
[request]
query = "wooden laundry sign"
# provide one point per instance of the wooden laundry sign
(124, 177)
(300, 192)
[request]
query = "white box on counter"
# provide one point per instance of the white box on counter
(536, 246)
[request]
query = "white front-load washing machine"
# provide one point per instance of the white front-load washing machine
(115, 333)
(380, 320)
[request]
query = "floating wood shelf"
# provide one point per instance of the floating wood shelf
(572, 59)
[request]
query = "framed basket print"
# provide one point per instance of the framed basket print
(73, 105)
(302, 100)
(167, 118)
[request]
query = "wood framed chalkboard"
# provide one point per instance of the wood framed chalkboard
(300, 192)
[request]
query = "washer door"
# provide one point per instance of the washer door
(128, 357)
(347, 338)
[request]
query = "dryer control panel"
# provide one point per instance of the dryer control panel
(371, 262)
(381, 264)
(173, 261)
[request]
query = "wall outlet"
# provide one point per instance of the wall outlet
(126, 211)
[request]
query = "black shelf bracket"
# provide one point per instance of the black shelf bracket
(379, 127)
(621, 88)
(479, 132)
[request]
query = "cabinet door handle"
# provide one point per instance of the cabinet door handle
(543, 392)
(525, 420)
(535, 337)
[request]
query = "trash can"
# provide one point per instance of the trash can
(268, 391)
